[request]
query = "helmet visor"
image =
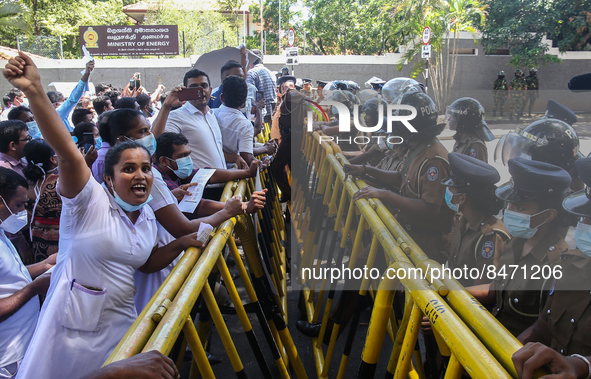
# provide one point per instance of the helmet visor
(451, 118)
(514, 144)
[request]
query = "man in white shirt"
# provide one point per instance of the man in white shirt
(19, 304)
(237, 130)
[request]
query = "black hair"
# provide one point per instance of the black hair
(195, 73)
(16, 112)
(125, 102)
(257, 61)
(9, 183)
(113, 96)
(143, 100)
(99, 103)
(80, 129)
(55, 96)
(6, 100)
(79, 114)
(14, 93)
(101, 87)
(165, 142)
(37, 152)
(103, 126)
(235, 91)
(120, 122)
(230, 65)
(10, 131)
(113, 156)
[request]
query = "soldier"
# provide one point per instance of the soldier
(517, 95)
(479, 238)
(499, 93)
(534, 216)
(466, 117)
(533, 84)
(307, 88)
(564, 322)
(421, 202)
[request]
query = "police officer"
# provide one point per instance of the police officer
(396, 88)
(479, 238)
(331, 128)
(565, 321)
(547, 140)
(499, 93)
(533, 217)
(320, 84)
(517, 95)
(466, 117)
(421, 202)
(377, 85)
(306, 88)
(533, 85)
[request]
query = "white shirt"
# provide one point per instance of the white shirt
(99, 247)
(148, 284)
(203, 133)
(237, 130)
(4, 117)
(17, 330)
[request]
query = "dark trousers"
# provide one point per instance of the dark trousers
(282, 158)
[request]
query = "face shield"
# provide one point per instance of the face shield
(517, 144)
(395, 89)
(451, 117)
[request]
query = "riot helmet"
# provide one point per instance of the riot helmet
(395, 89)
(343, 85)
(466, 115)
(371, 108)
(547, 140)
(501, 74)
(425, 122)
(533, 71)
(518, 73)
(344, 97)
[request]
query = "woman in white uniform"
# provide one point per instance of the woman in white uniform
(106, 233)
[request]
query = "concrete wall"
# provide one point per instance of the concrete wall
(474, 73)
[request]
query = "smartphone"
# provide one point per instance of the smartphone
(260, 95)
(131, 84)
(138, 82)
(193, 93)
(88, 140)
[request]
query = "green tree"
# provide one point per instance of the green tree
(571, 31)
(349, 27)
(271, 24)
(13, 20)
(446, 20)
(204, 30)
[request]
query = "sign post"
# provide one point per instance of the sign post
(426, 53)
(291, 37)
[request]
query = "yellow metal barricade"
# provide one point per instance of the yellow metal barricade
(474, 341)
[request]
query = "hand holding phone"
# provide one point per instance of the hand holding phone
(192, 93)
(88, 140)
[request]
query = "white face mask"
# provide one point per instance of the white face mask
(14, 222)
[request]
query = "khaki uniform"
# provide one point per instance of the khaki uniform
(391, 161)
(307, 94)
(520, 300)
(421, 179)
(477, 245)
(568, 311)
(471, 145)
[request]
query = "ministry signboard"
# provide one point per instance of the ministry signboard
(130, 40)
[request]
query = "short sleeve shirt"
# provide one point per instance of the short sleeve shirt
(237, 131)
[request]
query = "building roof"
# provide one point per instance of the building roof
(7, 52)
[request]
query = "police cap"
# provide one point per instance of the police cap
(469, 171)
(286, 78)
(579, 203)
(532, 180)
(560, 112)
(306, 80)
(321, 83)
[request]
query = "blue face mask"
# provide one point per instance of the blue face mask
(583, 238)
(33, 129)
(448, 197)
(185, 167)
(98, 142)
(125, 205)
(149, 142)
(518, 224)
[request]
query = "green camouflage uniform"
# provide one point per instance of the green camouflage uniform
(518, 92)
(499, 95)
(533, 84)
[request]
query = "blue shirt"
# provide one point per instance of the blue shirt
(64, 110)
(215, 101)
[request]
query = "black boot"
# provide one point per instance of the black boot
(308, 329)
